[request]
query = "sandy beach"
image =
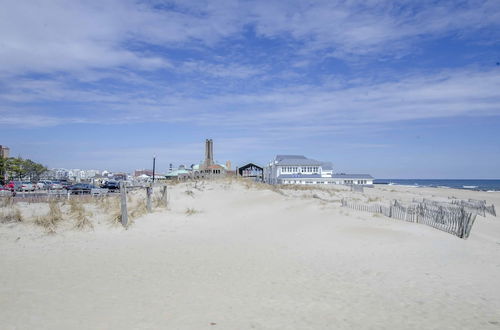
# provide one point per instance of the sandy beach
(233, 255)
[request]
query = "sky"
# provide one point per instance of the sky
(397, 89)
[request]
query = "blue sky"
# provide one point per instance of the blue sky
(398, 89)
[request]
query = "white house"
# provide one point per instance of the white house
(298, 169)
(343, 178)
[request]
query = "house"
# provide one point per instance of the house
(180, 173)
(298, 169)
(251, 171)
(343, 178)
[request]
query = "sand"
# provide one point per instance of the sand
(252, 258)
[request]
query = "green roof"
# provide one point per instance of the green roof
(176, 173)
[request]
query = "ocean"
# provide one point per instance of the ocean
(470, 184)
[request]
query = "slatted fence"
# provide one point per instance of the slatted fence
(452, 219)
(477, 205)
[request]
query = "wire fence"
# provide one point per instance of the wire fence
(451, 218)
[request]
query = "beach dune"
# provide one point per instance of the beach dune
(235, 255)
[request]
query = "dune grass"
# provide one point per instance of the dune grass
(52, 218)
(191, 211)
(6, 201)
(77, 211)
(10, 214)
(138, 209)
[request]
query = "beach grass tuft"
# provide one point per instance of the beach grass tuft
(51, 219)
(191, 211)
(139, 209)
(77, 210)
(11, 214)
(6, 201)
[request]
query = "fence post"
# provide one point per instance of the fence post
(149, 192)
(123, 195)
(164, 196)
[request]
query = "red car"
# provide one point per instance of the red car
(10, 186)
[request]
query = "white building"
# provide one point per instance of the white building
(57, 174)
(343, 178)
(298, 169)
(71, 174)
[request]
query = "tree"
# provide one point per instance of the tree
(19, 168)
(15, 168)
(34, 170)
(3, 169)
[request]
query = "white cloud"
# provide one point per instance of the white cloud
(371, 27)
(77, 35)
(303, 110)
(229, 70)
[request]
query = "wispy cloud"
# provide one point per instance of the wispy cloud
(308, 108)
(384, 28)
(249, 72)
(76, 35)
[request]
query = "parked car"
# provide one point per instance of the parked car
(5, 191)
(56, 185)
(43, 184)
(111, 185)
(81, 188)
(26, 186)
(65, 184)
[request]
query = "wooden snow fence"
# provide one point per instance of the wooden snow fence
(452, 219)
(478, 206)
(374, 208)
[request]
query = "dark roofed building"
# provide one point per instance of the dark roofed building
(251, 170)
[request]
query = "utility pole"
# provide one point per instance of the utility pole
(154, 163)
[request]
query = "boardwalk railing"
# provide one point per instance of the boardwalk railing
(44, 196)
(455, 219)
